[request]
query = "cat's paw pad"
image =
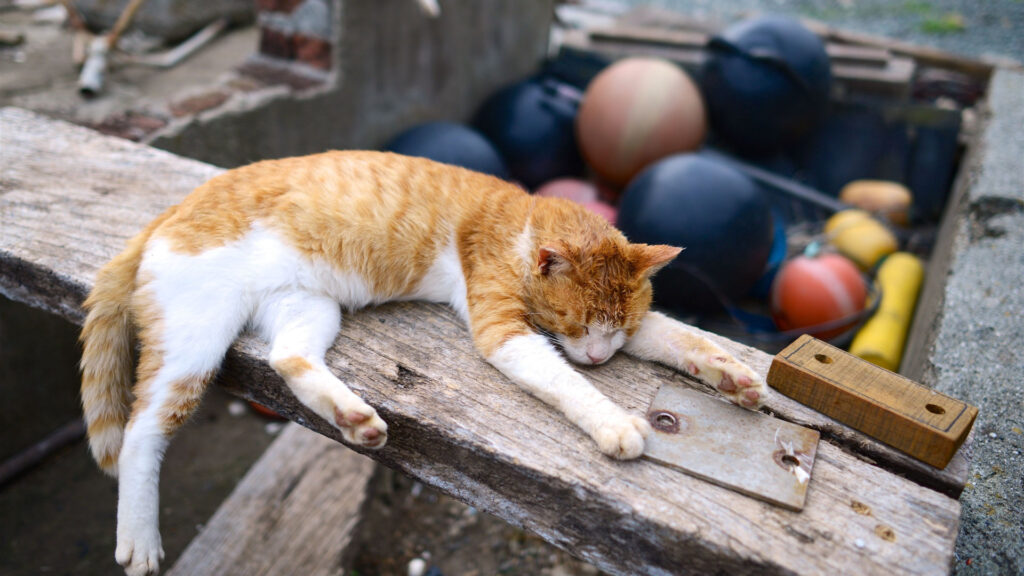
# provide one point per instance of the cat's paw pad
(733, 379)
(736, 381)
(140, 554)
(622, 438)
(360, 425)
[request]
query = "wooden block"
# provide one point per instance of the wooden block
(909, 417)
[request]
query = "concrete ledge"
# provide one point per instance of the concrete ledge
(976, 355)
(972, 347)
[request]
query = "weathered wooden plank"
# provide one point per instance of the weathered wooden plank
(295, 512)
(924, 55)
(854, 68)
(456, 423)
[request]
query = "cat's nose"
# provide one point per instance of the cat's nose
(596, 359)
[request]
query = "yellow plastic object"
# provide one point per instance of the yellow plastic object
(860, 237)
(881, 339)
(890, 200)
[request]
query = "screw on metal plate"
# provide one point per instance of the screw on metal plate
(745, 451)
(667, 422)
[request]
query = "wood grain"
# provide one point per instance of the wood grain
(921, 422)
(69, 198)
(297, 511)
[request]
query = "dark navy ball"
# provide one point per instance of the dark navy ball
(766, 82)
(450, 143)
(532, 124)
(716, 213)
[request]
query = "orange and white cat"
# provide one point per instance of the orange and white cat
(281, 246)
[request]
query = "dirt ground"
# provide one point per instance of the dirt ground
(407, 520)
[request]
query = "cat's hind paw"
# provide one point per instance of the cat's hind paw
(734, 380)
(361, 426)
(140, 555)
(622, 438)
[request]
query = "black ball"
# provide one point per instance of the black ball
(452, 144)
(718, 214)
(532, 124)
(766, 82)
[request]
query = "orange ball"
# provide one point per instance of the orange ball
(636, 112)
(811, 291)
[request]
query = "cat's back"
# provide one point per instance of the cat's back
(382, 216)
(364, 192)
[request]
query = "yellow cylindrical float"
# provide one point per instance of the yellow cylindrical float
(860, 237)
(881, 339)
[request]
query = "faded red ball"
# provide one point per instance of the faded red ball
(571, 188)
(636, 112)
(811, 291)
(607, 210)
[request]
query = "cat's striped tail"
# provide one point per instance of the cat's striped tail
(107, 337)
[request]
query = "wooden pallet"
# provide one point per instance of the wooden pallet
(70, 198)
(856, 69)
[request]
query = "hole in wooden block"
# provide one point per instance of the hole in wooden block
(822, 358)
(790, 460)
(935, 408)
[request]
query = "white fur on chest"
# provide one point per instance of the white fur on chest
(444, 282)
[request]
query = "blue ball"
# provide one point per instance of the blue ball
(767, 83)
(718, 214)
(450, 143)
(533, 125)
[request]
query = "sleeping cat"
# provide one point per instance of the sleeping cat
(280, 246)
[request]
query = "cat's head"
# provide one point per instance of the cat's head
(590, 297)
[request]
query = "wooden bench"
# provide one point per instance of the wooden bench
(70, 198)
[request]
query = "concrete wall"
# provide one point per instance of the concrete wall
(392, 66)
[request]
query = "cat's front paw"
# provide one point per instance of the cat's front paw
(623, 437)
(360, 425)
(734, 380)
(140, 552)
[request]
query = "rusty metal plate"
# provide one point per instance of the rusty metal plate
(746, 451)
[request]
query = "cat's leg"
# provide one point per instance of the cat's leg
(670, 342)
(300, 327)
(532, 361)
(180, 353)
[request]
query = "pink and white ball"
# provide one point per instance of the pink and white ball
(583, 193)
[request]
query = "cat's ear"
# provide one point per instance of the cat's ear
(552, 261)
(649, 259)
